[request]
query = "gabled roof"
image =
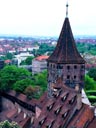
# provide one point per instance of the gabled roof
(66, 51)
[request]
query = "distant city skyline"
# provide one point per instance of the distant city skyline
(46, 17)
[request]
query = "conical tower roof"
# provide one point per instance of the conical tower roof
(66, 51)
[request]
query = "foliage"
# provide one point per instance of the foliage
(86, 48)
(9, 75)
(92, 73)
(8, 56)
(40, 79)
(92, 99)
(90, 88)
(90, 84)
(43, 49)
(7, 124)
(91, 92)
(33, 92)
(20, 79)
(28, 61)
(21, 85)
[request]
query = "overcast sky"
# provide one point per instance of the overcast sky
(45, 17)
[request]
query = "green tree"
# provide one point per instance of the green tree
(92, 73)
(90, 84)
(33, 92)
(9, 75)
(41, 80)
(28, 60)
(21, 85)
(7, 124)
(9, 56)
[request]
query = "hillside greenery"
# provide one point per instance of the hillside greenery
(86, 48)
(82, 48)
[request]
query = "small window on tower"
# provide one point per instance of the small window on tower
(82, 66)
(68, 67)
(75, 67)
(81, 77)
(47, 64)
(51, 65)
(74, 77)
(68, 77)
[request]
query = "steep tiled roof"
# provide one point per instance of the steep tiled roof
(19, 118)
(93, 123)
(66, 51)
(61, 111)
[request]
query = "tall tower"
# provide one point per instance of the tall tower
(66, 62)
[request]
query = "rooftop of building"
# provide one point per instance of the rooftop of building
(66, 51)
(42, 57)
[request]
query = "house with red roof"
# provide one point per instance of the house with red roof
(39, 64)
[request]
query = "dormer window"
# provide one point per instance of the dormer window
(42, 121)
(56, 93)
(57, 111)
(64, 98)
(50, 125)
(65, 115)
(50, 107)
(72, 100)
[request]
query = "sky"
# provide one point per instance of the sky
(46, 17)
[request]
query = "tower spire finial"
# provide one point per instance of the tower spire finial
(67, 8)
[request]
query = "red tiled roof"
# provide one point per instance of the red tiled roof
(11, 113)
(93, 123)
(7, 61)
(67, 113)
(40, 58)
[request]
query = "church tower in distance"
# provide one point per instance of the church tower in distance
(66, 62)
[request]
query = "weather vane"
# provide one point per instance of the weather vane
(67, 8)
